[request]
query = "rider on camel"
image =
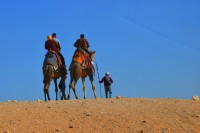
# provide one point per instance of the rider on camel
(82, 45)
(54, 37)
(52, 45)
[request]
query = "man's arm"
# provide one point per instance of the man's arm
(76, 44)
(58, 45)
(111, 80)
(88, 45)
(46, 46)
(101, 80)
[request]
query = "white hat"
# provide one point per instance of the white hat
(107, 73)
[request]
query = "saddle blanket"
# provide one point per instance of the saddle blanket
(50, 59)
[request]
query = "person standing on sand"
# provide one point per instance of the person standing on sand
(107, 84)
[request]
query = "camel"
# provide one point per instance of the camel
(77, 70)
(49, 73)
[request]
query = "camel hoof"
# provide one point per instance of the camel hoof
(65, 98)
(68, 98)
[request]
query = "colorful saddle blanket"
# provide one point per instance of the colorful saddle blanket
(51, 59)
(80, 58)
(84, 60)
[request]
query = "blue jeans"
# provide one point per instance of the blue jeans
(108, 89)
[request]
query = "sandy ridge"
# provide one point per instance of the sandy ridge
(119, 115)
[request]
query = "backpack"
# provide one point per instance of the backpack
(108, 80)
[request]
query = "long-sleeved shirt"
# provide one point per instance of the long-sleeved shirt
(106, 83)
(52, 45)
(58, 42)
(83, 43)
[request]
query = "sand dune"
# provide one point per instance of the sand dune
(117, 115)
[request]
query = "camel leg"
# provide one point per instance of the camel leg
(74, 87)
(46, 91)
(93, 87)
(68, 97)
(45, 96)
(63, 87)
(47, 72)
(48, 96)
(84, 86)
(63, 94)
(70, 86)
(56, 88)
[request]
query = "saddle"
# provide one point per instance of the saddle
(51, 59)
(84, 59)
(80, 58)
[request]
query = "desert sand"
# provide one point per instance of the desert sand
(115, 115)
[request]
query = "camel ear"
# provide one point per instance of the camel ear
(92, 54)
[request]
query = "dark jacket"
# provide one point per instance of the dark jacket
(82, 43)
(52, 45)
(106, 83)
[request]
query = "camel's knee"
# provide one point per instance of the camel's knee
(72, 86)
(93, 88)
(45, 90)
(73, 89)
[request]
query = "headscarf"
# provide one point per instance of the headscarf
(49, 37)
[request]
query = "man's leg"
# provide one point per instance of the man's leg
(62, 59)
(110, 91)
(106, 92)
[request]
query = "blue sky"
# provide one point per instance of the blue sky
(151, 48)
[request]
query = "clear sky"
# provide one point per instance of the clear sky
(150, 47)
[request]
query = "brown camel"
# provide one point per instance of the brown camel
(50, 73)
(77, 71)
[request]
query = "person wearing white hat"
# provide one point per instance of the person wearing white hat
(107, 84)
